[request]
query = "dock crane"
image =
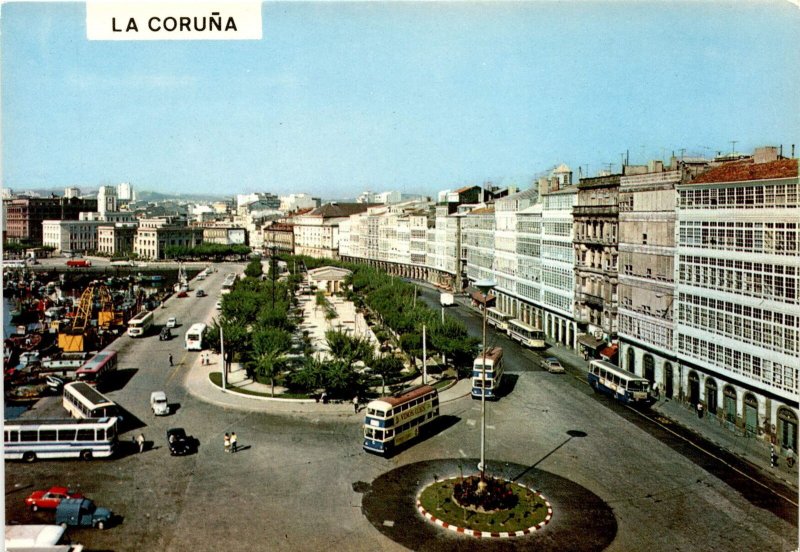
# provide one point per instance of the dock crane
(80, 336)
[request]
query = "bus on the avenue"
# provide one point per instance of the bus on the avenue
(392, 421)
(97, 368)
(487, 377)
(526, 334)
(194, 337)
(622, 385)
(32, 439)
(139, 325)
(82, 400)
(498, 319)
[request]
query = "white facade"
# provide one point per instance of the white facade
(738, 296)
(72, 192)
(295, 202)
(125, 192)
(71, 236)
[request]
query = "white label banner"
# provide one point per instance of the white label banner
(145, 20)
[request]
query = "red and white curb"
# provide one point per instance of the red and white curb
(488, 534)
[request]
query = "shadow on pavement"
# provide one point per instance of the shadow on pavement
(119, 380)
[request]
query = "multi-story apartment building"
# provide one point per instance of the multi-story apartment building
(106, 199)
(477, 243)
(558, 262)
(737, 294)
(316, 233)
(505, 264)
(116, 238)
(647, 204)
(443, 246)
(155, 235)
(280, 236)
(225, 235)
(595, 238)
(24, 216)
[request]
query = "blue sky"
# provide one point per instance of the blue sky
(417, 97)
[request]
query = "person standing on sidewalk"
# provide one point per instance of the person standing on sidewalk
(355, 404)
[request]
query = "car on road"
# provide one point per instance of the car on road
(50, 499)
(552, 365)
(183, 294)
(158, 403)
(82, 512)
(172, 322)
(200, 293)
(165, 334)
(179, 443)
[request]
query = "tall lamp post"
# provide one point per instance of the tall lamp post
(485, 286)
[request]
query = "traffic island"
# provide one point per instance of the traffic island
(488, 507)
(581, 520)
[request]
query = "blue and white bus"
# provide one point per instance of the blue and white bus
(487, 377)
(526, 334)
(33, 439)
(622, 385)
(498, 319)
(392, 421)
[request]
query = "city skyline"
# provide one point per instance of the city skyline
(339, 98)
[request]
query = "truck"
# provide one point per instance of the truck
(447, 300)
(79, 263)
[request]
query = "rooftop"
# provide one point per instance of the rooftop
(741, 171)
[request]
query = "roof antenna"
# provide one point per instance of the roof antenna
(733, 146)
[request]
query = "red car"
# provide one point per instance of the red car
(50, 498)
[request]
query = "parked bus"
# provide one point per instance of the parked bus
(526, 334)
(392, 421)
(498, 319)
(84, 401)
(97, 368)
(490, 383)
(31, 439)
(194, 337)
(622, 385)
(139, 325)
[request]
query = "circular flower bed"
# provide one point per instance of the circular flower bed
(501, 509)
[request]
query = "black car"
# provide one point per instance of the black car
(200, 293)
(165, 334)
(179, 443)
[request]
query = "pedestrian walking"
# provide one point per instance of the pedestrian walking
(140, 442)
(355, 404)
(227, 443)
(170, 359)
(233, 441)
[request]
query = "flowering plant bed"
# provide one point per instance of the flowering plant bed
(511, 508)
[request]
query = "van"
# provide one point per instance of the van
(158, 402)
(82, 512)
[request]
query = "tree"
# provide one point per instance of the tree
(254, 269)
(388, 367)
(349, 348)
(270, 345)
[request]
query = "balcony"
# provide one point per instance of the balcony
(590, 299)
(595, 210)
(589, 240)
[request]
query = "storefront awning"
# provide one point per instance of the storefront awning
(589, 341)
(609, 352)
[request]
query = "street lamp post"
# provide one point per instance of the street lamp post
(485, 286)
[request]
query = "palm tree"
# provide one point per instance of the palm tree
(270, 345)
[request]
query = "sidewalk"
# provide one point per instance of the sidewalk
(197, 382)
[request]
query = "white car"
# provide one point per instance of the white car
(158, 402)
(552, 365)
(172, 322)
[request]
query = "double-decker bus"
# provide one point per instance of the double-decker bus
(97, 368)
(31, 439)
(498, 319)
(194, 337)
(526, 334)
(619, 383)
(82, 400)
(139, 325)
(392, 421)
(487, 377)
